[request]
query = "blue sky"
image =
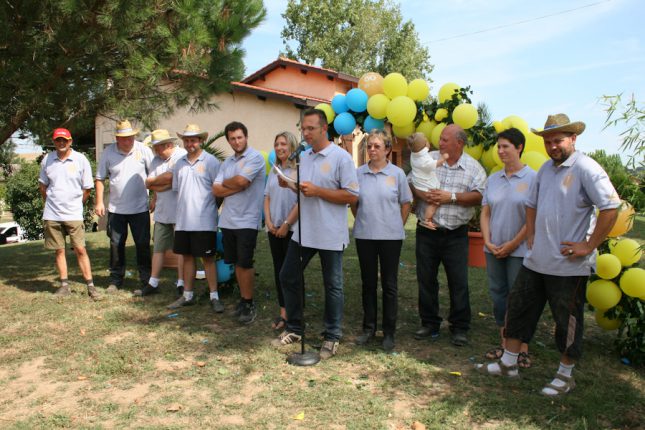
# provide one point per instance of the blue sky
(562, 63)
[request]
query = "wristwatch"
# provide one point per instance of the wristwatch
(453, 198)
(287, 223)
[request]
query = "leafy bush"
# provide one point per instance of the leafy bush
(25, 201)
(627, 185)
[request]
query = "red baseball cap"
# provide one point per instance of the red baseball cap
(62, 132)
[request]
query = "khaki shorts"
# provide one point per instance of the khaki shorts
(55, 232)
(163, 237)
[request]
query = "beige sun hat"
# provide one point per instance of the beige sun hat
(125, 129)
(160, 136)
(193, 130)
(560, 123)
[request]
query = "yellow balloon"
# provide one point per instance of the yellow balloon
(624, 221)
(403, 131)
(602, 294)
(267, 165)
(633, 282)
(608, 266)
(447, 90)
(465, 115)
(377, 106)
(401, 111)
(498, 126)
(534, 143)
(418, 90)
(395, 85)
(440, 114)
(495, 154)
(533, 159)
(426, 128)
(474, 151)
(606, 323)
(436, 134)
(611, 243)
(371, 83)
(516, 122)
(495, 168)
(628, 252)
(329, 111)
(487, 158)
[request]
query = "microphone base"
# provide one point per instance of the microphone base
(309, 358)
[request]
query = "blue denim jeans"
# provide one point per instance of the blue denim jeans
(290, 279)
(450, 247)
(117, 231)
(501, 276)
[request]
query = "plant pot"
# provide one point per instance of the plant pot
(476, 257)
(170, 259)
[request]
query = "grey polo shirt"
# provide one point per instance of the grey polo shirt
(166, 206)
(244, 208)
(281, 200)
(506, 198)
(379, 203)
(127, 174)
(463, 176)
(324, 224)
(65, 181)
(196, 208)
(565, 198)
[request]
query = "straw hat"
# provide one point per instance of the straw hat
(161, 136)
(193, 130)
(560, 123)
(124, 129)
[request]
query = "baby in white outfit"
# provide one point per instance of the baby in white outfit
(423, 175)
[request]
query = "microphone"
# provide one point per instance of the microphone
(297, 152)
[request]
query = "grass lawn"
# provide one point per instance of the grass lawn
(127, 362)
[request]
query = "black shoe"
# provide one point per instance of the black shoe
(364, 338)
(425, 333)
(217, 306)
(180, 291)
(248, 313)
(148, 290)
(459, 338)
(235, 313)
(388, 342)
(180, 302)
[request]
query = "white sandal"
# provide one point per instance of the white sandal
(569, 384)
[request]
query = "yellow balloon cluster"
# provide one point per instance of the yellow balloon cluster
(533, 159)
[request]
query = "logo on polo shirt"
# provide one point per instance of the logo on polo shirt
(567, 181)
(71, 168)
(353, 186)
(200, 168)
(325, 167)
(137, 155)
(390, 181)
(522, 187)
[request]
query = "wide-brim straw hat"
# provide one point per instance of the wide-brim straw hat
(125, 129)
(560, 123)
(160, 136)
(192, 130)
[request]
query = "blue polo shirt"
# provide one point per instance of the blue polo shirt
(379, 203)
(565, 198)
(244, 208)
(281, 200)
(166, 206)
(506, 198)
(324, 224)
(193, 182)
(65, 180)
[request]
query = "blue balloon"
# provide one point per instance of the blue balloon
(219, 245)
(344, 123)
(224, 271)
(371, 124)
(339, 104)
(356, 100)
(272, 157)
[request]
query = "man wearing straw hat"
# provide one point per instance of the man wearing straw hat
(560, 214)
(196, 229)
(65, 183)
(126, 164)
(240, 183)
(164, 205)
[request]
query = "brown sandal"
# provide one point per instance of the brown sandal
(279, 323)
(524, 360)
(495, 353)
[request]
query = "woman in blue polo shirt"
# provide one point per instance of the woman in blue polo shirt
(280, 212)
(503, 225)
(381, 212)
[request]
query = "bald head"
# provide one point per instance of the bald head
(452, 141)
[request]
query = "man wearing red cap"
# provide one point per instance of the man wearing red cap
(65, 184)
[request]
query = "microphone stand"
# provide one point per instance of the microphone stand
(302, 358)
